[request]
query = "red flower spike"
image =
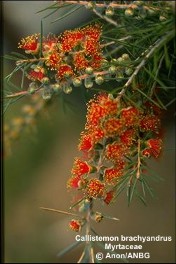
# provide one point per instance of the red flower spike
(94, 115)
(95, 188)
(96, 61)
(80, 167)
(155, 146)
(109, 196)
(64, 71)
(85, 142)
(150, 123)
(75, 225)
(128, 137)
(70, 39)
(73, 182)
(130, 116)
(112, 127)
(80, 62)
(30, 44)
(115, 151)
(93, 32)
(91, 47)
(97, 135)
(49, 44)
(112, 175)
(36, 75)
(53, 60)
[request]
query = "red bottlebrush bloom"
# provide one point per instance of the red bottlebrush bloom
(128, 137)
(30, 44)
(70, 39)
(85, 142)
(49, 44)
(110, 105)
(109, 196)
(91, 47)
(73, 182)
(150, 123)
(93, 32)
(152, 108)
(53, 60)
(96, 61)
(97, 135)
(64, 71)
(36, 75)
(115, 151)
(94, 115)
(95, 188)
(130, 116)
(155, 146)
(112, 127)
(80, 167)
(112, 175)
(80, 62)
(75, 225)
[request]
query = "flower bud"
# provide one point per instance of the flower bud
(88, 83)
(67, 89)
(109, 11)
(89, 70)
(90, 5)
(97, 217)
(162, 18)
(125, 56)
(99, 79)
(46, 93)
(75, 225)
(32, 87)
(77, 82)
(84, 205)
(129, 12)
(112, 69)
(45, 80)
(128, 71)
(56, 87)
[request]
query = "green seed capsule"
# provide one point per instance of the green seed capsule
(88, 83)
(90, 5)
(129, 12)
(89, 70)
(99, 79)
(45, 80)
(77, 82)
(67, 89)
(46, 93)
(56, 87)
(109, 11)
(128, 71)
(112, 69)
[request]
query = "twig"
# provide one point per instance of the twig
(139, 160)
(109, 20)
(143, 62)
(58, 211)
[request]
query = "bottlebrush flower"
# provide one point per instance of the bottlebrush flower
(154, 148)
(150, 123)
(130, 116)
(108, 197)
(64, 71)
(73, 182)
(93, 32)
(110, 105)
(115, 151)
(112, 175)
(96, 61)
(70, 39)
(85, 142)
(79, 61)
(80, 167)
(95, 188)
(53, 60)
(49, 44)
(30, 44)
(128, 137)
(37, 74)
(94, 114)
(112, 127)
(75, 225)
(91, 47)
